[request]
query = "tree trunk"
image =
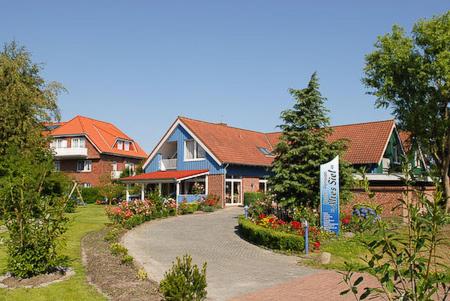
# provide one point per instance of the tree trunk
(447, 192)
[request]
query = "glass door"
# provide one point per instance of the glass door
(233, 191)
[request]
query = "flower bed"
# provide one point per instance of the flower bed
(270, 237)
(131, 214)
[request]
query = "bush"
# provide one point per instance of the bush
(252, 197)
(117, 249)
(113, 234)
(188, 208)
(208, 209)
(90, 195)
(184, 281)
(270, 238)
(127, 259)
(134, 221)
(71, 205)
(142, 274)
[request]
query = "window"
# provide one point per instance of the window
(265, 151)
(84, 165)
(127, 145)
(114, 166)
(59, 143)
(87, 185)
(262, 186)
(78, 143)
(119, 144)
(57, 165)
(193, 150)
(130, 167)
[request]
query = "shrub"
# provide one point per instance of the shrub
(71, 205)
(211, 200)
(188, 208)
(184, 281)
(134, 221)
(127, 259)
(142, 274)
(208, 209)
(118, 250)
(90, 195)
(271, 238)
(252, 197)
(113, 234)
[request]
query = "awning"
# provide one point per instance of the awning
(165, 176)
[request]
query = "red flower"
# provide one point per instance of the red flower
(346, 220)
(262, 215)
(316, 245)
(128, 214)
(271, 220)
(281, 222)
(296, 225)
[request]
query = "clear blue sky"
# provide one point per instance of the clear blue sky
(139, 64)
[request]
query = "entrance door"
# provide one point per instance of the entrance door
(233, 191)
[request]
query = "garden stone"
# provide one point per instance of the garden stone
(349, 234)
(325, 258)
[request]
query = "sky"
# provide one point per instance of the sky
(140, 64)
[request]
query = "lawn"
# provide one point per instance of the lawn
(352, 251)
(86, 219)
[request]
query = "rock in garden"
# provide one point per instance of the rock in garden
(325, 258)
(349, 234)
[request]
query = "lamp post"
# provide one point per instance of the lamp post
(246, 211)
(306, 237)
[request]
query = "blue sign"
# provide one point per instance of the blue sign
(329, 195)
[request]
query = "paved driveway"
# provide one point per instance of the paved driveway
(235, 267)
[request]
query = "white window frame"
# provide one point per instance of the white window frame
(126, 145)
(87, 185)
(265, 185)
(120, 144)
(196, 146)
(80, 142)
(87, 166)
(60, 143)
(131, 166)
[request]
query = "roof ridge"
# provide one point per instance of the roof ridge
(221, 124)
(361, 123)
(90, 118)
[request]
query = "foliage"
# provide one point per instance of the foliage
(407, 267)
(84, 220)
(211, 200)
(127, 259)
(252, 197)
(300, 213)
(113, 234)
(184, 281)
(187, 208)
(411, 75)
(31, 195)
(71, 205)
(208, 209)
(261, 206)
(303, 147)
(142, 274)
(271, 238)
(117, 249)
(27, 101)
(91, 194)
(110, 190)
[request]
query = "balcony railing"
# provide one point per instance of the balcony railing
(166, 164)
(72, 152)
(115, 174)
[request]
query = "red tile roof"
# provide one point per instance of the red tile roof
(102, 134)
(366, 141)
(166, 175)
(230, 144)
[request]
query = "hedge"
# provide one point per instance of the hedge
(270, 238)
(251, 197)
(91, 194)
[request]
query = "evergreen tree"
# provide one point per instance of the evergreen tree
(303, 147)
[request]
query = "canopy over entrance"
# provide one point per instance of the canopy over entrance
(177, 182)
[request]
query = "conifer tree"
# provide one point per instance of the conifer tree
(303, 147)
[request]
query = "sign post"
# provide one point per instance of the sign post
(329, 195)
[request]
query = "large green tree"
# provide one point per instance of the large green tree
(303, 147)
(31, 195)
(411, 75)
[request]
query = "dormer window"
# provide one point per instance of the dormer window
(193, 151)
(126, 145)
(120, 144)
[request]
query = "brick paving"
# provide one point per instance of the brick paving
(235, 267)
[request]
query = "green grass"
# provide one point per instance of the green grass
(86, 219)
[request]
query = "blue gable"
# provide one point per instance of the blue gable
(180, 135)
